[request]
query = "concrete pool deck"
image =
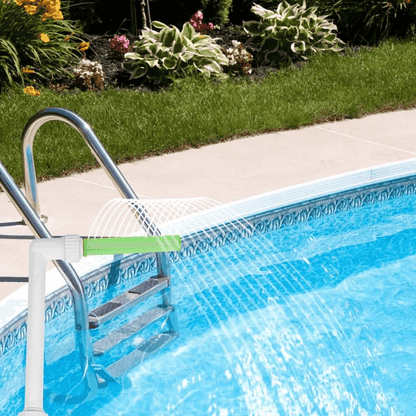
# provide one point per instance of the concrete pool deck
(225, 172)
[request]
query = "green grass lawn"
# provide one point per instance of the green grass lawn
(132, 125)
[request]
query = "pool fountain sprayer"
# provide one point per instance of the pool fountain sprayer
(70, 248)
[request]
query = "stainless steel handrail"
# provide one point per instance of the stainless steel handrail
(103, 158)
(29, 209)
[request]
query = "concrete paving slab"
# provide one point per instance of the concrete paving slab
(393, 130)
(225, 172)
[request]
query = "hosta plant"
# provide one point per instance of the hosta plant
(170, 55)
(290, 32)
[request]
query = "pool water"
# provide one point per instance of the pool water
(313, 319)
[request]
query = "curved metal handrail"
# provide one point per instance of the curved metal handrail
(29, 209)
(103, 158)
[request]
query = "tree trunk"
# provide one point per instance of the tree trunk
(133, 17)
(148, 15)
(143, 14)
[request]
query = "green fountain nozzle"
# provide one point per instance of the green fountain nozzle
(131, 245)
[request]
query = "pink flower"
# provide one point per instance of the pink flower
(120, 43)
(196, 22)
(198, 15)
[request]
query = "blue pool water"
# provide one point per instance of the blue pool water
(313, 319)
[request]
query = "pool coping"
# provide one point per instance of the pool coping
(264, 212)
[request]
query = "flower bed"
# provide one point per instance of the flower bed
(115, 75)
(212, 51)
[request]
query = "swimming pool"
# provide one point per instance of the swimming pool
(309, 310)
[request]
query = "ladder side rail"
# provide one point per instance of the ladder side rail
(103, 158)
(69, 274)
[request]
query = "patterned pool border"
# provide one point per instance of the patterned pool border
(129, 267)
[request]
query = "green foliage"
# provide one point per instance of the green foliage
(20, 45)
(178, 12)
(82, 11)
(216, 11)
(170, 54)
(358, 21)
(241, 9)
(290, 32)
(371, 21)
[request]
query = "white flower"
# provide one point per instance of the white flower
(88, 70)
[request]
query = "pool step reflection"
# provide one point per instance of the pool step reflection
(143, 347)
(132, 328)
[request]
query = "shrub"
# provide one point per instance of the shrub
(369, 21)
(290, 32)
(35, 41)
(166, 56)
(216, 11)
(241, 9)
(372, 21)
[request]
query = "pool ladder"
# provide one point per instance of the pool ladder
(145, 348)
(96, 376)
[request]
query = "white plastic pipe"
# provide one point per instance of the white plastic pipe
(70, 249)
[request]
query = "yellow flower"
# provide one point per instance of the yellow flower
(28, 71)
(46, 3)
(56, 16)
(33, 6)
(31, 9)
(29, 5)
(201, 37)
(83, 46)
(52, 7)
(67, 38)
(31, 91)
(44, 38)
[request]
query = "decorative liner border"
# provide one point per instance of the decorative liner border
(128, 268)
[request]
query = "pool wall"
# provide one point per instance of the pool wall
(262, 213)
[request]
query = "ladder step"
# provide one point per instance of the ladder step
(133, 327)
(147, 348)
(127, 300)
(16, 279)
